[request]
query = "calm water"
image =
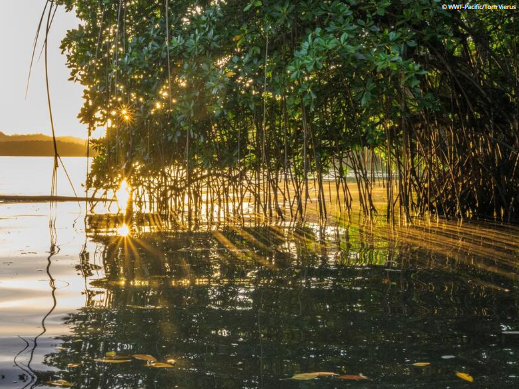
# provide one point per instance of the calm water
(252, 307)
(31, 176)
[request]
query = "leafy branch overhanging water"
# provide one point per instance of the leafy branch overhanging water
(254, 107)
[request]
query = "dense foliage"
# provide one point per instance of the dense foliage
(251, 98)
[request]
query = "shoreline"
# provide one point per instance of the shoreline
(45, 199)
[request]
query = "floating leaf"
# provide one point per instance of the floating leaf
(108, 360)
(353, 377)
(465, 376)
(59, 383)
(421, 364)
(311, 376)
(160, 365)
(112, 355)
(74, 365)
(144, 357)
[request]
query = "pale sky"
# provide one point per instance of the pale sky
(18, 22)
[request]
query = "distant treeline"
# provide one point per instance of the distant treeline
(40, 145)
(41, 149)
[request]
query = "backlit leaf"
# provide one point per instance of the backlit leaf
(237, 37)
(465, 376)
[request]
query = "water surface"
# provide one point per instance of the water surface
(251, 307)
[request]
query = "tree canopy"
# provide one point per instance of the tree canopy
(259, 96)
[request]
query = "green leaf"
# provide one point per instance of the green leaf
(256, 3)
(365, 98)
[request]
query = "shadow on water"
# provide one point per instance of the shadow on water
(251, 307)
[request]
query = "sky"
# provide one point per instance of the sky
(18, 22)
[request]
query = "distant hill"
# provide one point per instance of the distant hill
(24, 138)
(40, 145)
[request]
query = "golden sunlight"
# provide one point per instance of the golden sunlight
(123, 231)
(126, 114)
(123, 195)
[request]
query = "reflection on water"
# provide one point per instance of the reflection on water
(248, 308)
(251, 307)
(31, 176)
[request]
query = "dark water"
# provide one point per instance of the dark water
(252, 307)
(249, 308)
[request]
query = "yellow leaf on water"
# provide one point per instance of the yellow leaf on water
(145, 357)
(160, 364)
(304, 376)
(465, 376)
(237, 38)
(103, 360)
(59, 383)
(311, 376)
(421, 364)
(112, 355)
